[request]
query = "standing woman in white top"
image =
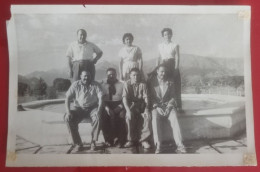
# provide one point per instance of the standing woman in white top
(169, 56)
(130, 57)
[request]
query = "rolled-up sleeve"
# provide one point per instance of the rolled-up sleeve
(71, 91)
(99, 90)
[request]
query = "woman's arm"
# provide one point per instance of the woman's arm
(140, 63)
(121, 69)
(177, 58)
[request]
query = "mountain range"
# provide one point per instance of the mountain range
(190, 65)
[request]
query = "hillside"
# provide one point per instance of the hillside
(190, 65)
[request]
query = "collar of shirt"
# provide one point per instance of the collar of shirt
(86, 86)
(162, 82)
(167, 43)
(134, 84)
(86, 42)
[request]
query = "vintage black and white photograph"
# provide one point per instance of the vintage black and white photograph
(130, 85)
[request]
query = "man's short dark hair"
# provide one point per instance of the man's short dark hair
(169, 30)
(111, 69)
(82, 30)
(135, 69)
(129, 35)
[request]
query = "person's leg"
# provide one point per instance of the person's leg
(95, 123)
(144, 130)
(90, 67)
(157, 130)
(175, 128)
(130, 129)
(177, 84)
(76, 71)
(72, 124)
(106, 127)
(120, 127)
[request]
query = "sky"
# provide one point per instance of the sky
(43, 39)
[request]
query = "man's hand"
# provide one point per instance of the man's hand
(160, 111)
(94, 61)
(110, 112)
(68, 116)
(167, 111)
(147, 114)
(129, 115)
(98, 115)
(107, 110)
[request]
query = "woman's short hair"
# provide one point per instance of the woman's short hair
(169, 30)
(129, 35)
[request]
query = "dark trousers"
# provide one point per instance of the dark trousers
(138, 128)
(113, 126)
(78, 115)
(83, 65)
(175, 76)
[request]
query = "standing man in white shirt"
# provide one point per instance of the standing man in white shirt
(81, 57)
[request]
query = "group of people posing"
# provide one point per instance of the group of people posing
(129, 111)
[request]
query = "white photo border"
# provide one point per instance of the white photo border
(18, 160)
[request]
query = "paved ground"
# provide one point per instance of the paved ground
(235, 145)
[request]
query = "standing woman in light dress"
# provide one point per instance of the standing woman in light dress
(169, 56)
(130, 57)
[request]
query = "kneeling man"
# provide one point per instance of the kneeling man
(137, 115)
(87, 96)
(163, 106)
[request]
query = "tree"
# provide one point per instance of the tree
(23, 88)
(61, 84)
(38, 87)
(51, 93)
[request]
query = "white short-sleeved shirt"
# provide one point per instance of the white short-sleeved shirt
(132, 53)
(85, 51)
(85, 97)
(167, 50)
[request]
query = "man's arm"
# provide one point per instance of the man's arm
(98, 56)
(67, 104)
(69, 56)
(69, 62)
(69, 96)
